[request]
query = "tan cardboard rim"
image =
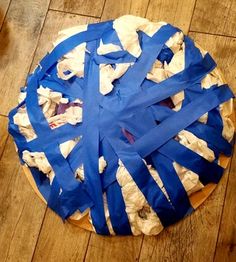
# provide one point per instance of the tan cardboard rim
(196, 198)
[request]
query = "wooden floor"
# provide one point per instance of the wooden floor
(30, 231)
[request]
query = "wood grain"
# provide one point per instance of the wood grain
(114, 8)
(21, 211)
(215, 17)
(60, 241)
(226, 245)
(18, 40)
(4, 4)
(82, 7)
(3, 133)
(205, 235)
(178, 13)
(102, 248)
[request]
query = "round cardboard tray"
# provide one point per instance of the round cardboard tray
(196, 198)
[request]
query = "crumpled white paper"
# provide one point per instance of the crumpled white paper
(39, 160)
(101, 167)
(126, 28)
(141, 216)
(108, 74)
(104, 49)
(48, 100)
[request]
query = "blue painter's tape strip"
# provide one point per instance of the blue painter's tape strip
(133, 105)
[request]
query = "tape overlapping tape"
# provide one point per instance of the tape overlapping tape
(134, 105)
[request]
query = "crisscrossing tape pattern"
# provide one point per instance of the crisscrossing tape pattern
(133, 123)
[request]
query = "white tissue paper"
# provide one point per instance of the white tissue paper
(141, 216)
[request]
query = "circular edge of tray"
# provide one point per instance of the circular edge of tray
(196, 198)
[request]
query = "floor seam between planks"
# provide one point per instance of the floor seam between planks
(222, 210)
(147, 7)
(104, 4)
(73, 13)
(4, 147)
(195, 3)
(17, 222)
(212, 34)
(141, 246)
(4, 17)
(41, 226)
(30, 68)
(39, 36)
(86, 251)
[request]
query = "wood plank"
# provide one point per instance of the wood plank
(84, 7)
(19, 204)
(60, 241)
(18, 40)
(226, 246)
(4, 4)
(3, 133)
(66, 242)
(114, 8)
(222, 49)
(21, 212)
(118, 248)
(177, 12)
(215, 17)
(194, 238)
